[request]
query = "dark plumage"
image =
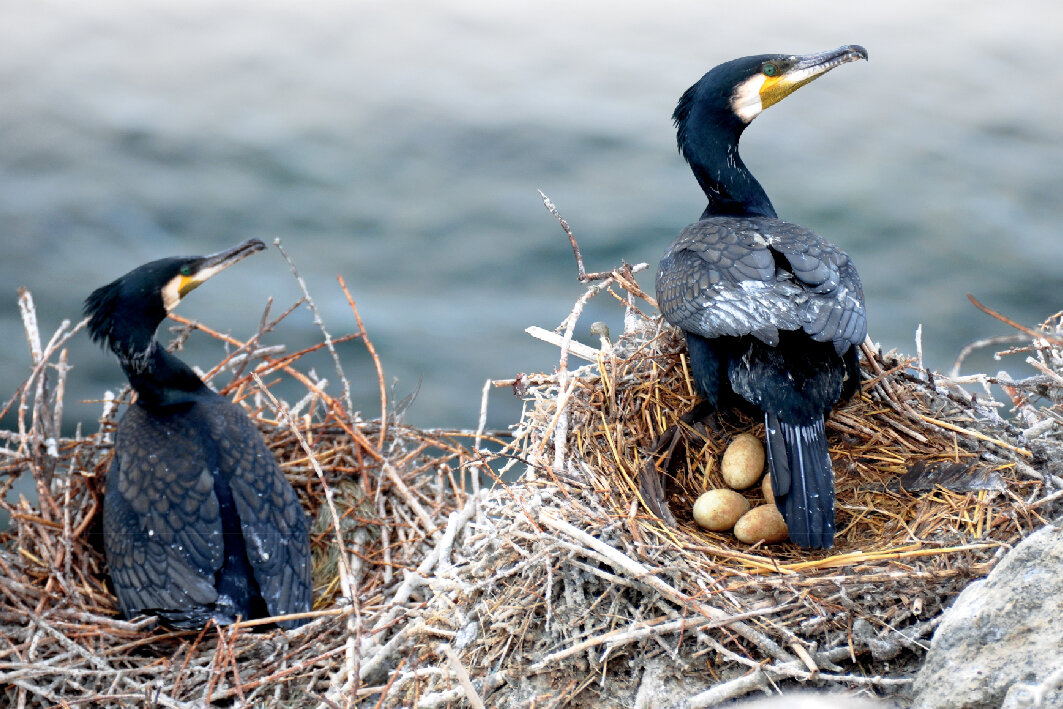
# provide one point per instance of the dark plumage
(199, 523)
(772, 312)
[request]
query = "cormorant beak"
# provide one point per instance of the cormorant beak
(201, 269)
(781, 76)
(803, 69)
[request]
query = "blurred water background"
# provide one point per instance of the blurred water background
(400, 144)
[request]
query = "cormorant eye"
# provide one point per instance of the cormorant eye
(186, 270)
(769, 69)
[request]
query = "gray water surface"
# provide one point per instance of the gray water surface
(400, 145)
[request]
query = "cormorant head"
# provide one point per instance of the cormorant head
(712, 114)
(124, 314)
(736, 92)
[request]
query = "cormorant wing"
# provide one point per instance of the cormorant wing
(274, 524)
(166, 535)
(834, 312)
(756, 276)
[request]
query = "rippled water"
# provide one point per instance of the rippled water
(401, 144)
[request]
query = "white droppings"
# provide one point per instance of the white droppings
(256, 541)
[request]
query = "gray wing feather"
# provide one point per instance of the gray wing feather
(162, 526)
(276, 532)
(733, 276)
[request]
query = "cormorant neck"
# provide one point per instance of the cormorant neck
(728, 184)
(159, 378)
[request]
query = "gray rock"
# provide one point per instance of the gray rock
(1001, 643)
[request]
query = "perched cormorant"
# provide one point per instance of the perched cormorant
(772, 312)
(199, 523)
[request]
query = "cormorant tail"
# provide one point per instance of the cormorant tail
(802, 479)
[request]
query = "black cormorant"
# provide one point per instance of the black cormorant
(772, 312)
(199, 523)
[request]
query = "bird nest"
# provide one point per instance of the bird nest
(559, 586)
(378, 494)
(571, 590)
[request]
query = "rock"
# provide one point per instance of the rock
(1001, 641)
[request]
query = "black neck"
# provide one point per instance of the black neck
(159, 378)
(708, 131)
(729, 186)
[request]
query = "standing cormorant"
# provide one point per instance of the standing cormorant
(199, 523)
(772, 312)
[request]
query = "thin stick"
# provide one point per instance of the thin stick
(376, 363)
(29, 321)
(61, 368)
(579, 349)
(1008, 321)
(321, 325)
(564, 376)
(1054, 376)
(618, 637)
(954, 373)
(463, 676)
(273, 363)
(976, 434)
(919, 346)
(341, 557)
(731, 689)
(430, 527)
(481, 425)
(61, 336)
(283, 365)
(583, 276)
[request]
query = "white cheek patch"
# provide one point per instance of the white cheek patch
(746, 99)
(171, 293)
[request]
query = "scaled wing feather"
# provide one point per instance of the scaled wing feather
(723, 276)
(163, 539)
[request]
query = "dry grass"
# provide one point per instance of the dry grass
(559, 588)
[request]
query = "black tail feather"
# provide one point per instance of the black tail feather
(802, 479)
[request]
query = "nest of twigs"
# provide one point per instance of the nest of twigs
(378, 494)
(572, 592)
(557, 587)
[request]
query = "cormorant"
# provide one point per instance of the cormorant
(772, 312)
(199, 523)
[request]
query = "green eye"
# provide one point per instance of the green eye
(186, 270)
(769, 69)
